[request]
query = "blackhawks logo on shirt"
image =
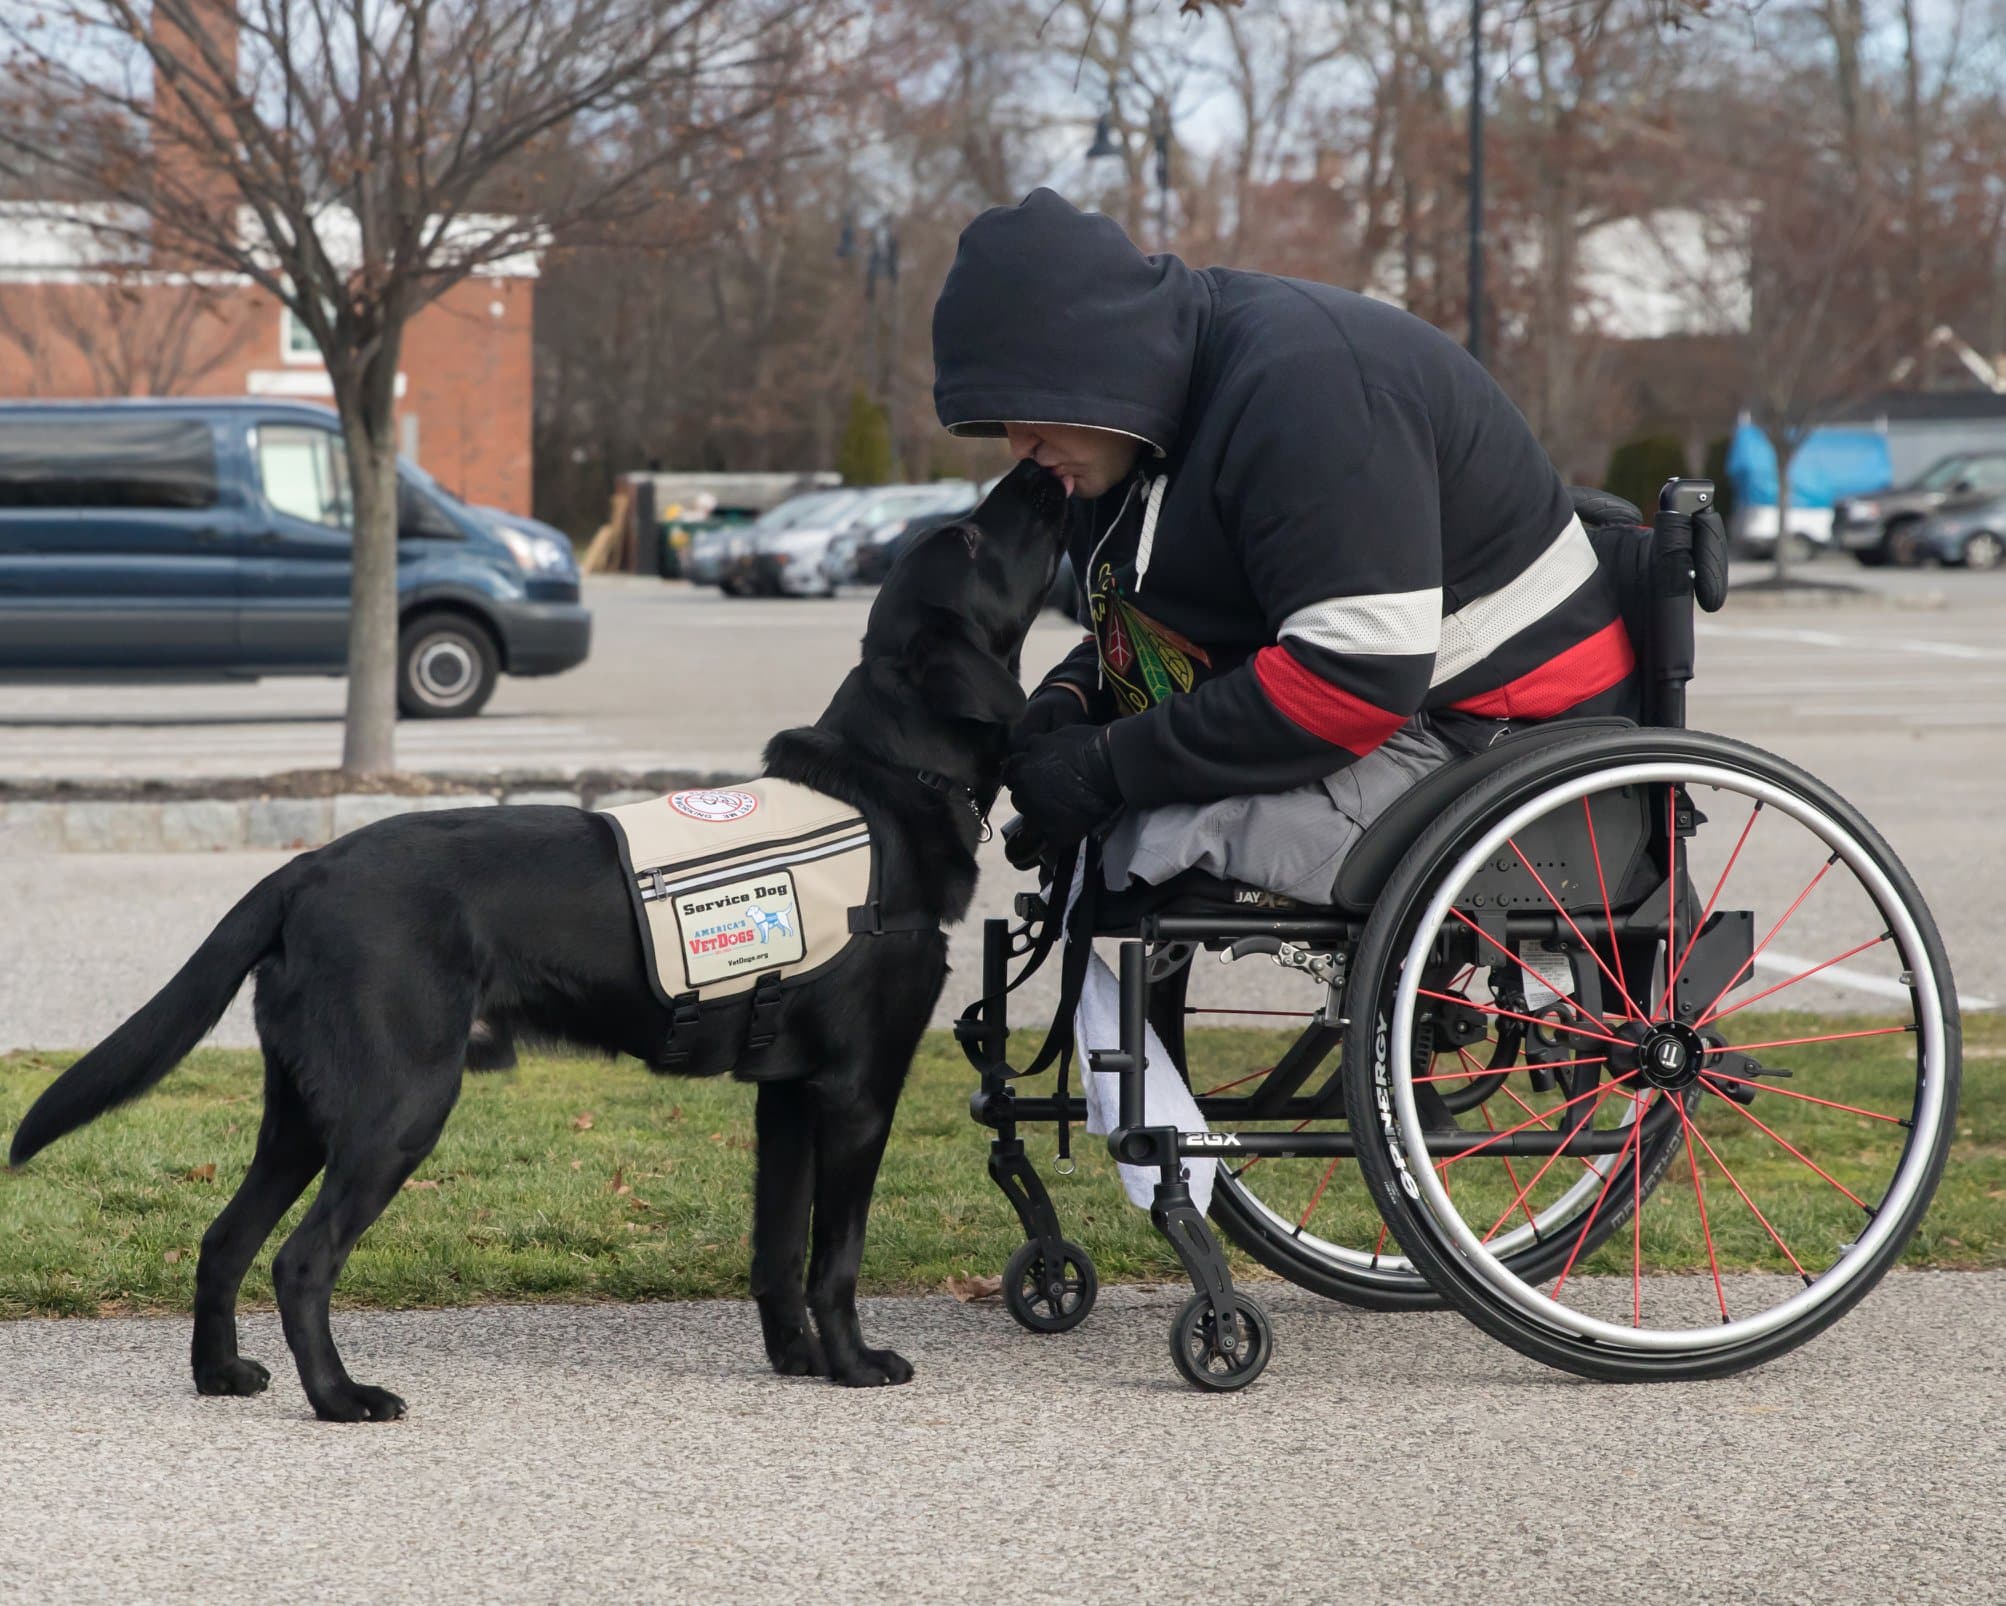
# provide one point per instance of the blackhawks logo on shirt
(1144, 661)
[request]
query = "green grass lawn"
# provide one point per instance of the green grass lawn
(579, 1179)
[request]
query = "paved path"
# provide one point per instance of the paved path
(639, 1452)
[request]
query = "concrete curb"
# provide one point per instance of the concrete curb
(30, 829)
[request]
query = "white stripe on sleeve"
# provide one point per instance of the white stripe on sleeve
(1472, 633)
(1390, 623)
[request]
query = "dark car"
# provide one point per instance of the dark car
(182, 539)
(1886, 527)
(1971, 535)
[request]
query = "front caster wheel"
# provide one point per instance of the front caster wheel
(1194, 1345)
(1048, 1298)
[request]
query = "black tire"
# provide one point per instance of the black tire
(1195, 1352)
(1904, 544)
(1983, 550)
(1042, 1303)
(447, 667)
(1871, 558)
(1375, 969)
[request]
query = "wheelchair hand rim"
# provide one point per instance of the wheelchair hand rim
(1394, 1067)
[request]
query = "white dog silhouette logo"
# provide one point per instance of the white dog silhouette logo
(770, 922)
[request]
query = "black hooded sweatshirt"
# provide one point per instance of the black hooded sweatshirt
(1340, 520)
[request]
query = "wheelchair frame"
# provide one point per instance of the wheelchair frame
(1050, 1283)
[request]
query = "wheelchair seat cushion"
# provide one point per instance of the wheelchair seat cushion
(1370, 863)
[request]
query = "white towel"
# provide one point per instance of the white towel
(1166, 1100)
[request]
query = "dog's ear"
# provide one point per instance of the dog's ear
(957, 678)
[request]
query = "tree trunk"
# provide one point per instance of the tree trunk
(368, 422)
(1781, 444)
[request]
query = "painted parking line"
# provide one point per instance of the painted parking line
(1879, 986)
(1832, 638)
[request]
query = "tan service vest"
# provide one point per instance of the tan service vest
(738, 883)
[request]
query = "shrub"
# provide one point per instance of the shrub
(1639, 468)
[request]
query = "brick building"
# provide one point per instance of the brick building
(70, 326)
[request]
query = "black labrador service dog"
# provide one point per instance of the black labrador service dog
(391, 960)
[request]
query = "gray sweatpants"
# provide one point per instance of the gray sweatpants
(1291, 842)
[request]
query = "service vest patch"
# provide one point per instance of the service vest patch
(735, 884)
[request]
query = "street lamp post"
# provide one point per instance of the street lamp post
(882, 263)
(1476, 340)
(1105, 144)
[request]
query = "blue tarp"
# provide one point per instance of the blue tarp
(1828, 464)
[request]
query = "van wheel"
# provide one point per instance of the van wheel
(447, 667)
(1984, 551)
(1906, 549)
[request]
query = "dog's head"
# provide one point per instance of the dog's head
(958, 603)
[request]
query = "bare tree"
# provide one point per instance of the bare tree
(357, 159)
(132, 337)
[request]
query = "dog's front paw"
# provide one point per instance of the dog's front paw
(358, 1402)
(874, 1368)
(799, 1355)
(234, 1376)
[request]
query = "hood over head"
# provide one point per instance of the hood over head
(1051, 315)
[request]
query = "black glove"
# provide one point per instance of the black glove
(1063, 783)
(1051, 708)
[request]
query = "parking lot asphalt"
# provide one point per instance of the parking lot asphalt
(643, 1452)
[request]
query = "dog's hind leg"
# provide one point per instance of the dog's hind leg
(849, 1143)
(288, 1155)
(368, 1160)
(783, 1189)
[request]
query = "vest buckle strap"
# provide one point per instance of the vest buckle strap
(764, 1024)
(682, 1021)
(870, 920)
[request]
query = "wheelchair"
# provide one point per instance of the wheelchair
(1604, 994)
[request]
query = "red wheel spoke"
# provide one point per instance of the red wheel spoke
(1787, 1093)
(1308, 1209)
(1671, 894)
(1748, 964)
(1542, 1171)
(1629, 1003)
(1586, 1163)
(1548, 1065)
(1802, 975)
(1378, 1244)
(1531, 1020)
(1785, 1143)
(1588, 1221)
(1522, 965)
(1593, 1093)
(1637, 1227)
(1738, 1188)
(1699, 1198)
(1236, 1082)
(1529, 1220)
(1595, 848)
(1706, 914)
(1792, 1042)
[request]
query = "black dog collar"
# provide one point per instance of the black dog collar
(964, 795)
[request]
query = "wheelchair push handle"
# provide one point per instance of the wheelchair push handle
(1675, 531)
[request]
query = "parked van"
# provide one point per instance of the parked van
(200, 539)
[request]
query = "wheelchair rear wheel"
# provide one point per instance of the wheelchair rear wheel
(1313, 1220)
(1731, 967)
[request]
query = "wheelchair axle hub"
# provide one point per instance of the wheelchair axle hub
(1668, 1055)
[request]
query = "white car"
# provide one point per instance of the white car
(812, 557)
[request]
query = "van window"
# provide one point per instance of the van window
(107, 462)
(305, 473)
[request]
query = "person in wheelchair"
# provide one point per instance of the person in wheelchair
(1320, 551)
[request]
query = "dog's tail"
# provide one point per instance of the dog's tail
(150, 1044)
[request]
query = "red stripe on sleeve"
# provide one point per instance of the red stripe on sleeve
(1563, 681)
(1324, 710)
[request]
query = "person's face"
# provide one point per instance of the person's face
(1088, 462)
